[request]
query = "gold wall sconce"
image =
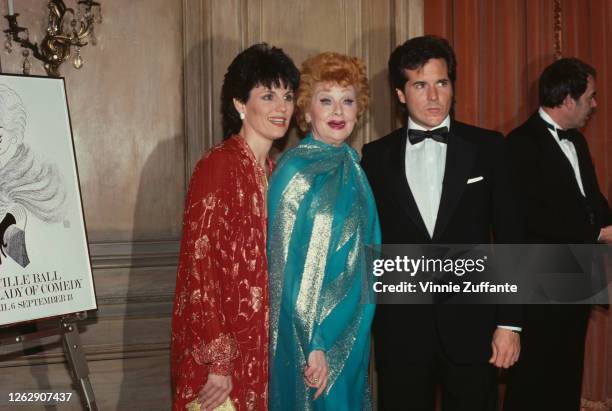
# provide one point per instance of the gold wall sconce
(66, 29)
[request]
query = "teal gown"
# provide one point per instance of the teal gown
(321, 215)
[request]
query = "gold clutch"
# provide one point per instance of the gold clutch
(228, 405)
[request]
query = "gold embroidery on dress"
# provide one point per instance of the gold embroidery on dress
(256, 298)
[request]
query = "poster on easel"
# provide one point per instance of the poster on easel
(45, 269)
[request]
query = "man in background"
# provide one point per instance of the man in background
(560, 203)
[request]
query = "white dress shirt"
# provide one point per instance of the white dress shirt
(424, 164)
(566, 146)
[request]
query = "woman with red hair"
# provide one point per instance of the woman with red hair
(322, 213)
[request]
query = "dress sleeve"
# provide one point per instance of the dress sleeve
(201, 274)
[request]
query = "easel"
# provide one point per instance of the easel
(67, 328)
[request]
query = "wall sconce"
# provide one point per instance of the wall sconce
(55, 48)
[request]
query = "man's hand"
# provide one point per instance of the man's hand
(316, 372)
(605, 235)
(215, 391)
(506, 347)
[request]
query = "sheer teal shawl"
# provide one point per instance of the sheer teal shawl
(321, 214)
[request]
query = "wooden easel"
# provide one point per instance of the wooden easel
(68, 330)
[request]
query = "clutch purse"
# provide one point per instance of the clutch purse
(228, 405)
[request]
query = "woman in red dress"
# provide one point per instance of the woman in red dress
(219, 344)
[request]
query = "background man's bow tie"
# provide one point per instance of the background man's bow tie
(562, 134)
(439, 134)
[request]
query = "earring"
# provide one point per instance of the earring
(242, 116)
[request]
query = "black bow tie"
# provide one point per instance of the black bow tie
(562, 134)
(439, 134)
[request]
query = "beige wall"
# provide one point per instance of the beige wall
(216, 31)
(126, 107)
(144, 108)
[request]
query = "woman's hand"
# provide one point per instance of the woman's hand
(215, 391)
(316, 372)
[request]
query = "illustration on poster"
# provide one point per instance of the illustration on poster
(28, 187)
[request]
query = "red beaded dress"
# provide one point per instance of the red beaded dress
(220, 316)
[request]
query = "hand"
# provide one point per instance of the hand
(506, 346)
(316, 372)
(215, 391)
(605, 235)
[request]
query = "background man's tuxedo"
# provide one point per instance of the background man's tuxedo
(548, 375)
(550, 199)
(468, 214)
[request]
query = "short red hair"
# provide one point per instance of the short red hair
(331, 68)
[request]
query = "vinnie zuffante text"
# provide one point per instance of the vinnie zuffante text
(435, 267)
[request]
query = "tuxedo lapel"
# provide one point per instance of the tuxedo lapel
(582, 151)
(399, 187)
(460, 155)
(552, 152)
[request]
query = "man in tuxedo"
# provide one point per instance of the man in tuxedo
(443, 182)
(560, 203)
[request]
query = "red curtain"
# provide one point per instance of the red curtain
(502, 47)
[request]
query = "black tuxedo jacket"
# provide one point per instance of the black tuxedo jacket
(555, 212)
(551, 203)
(468, 214)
